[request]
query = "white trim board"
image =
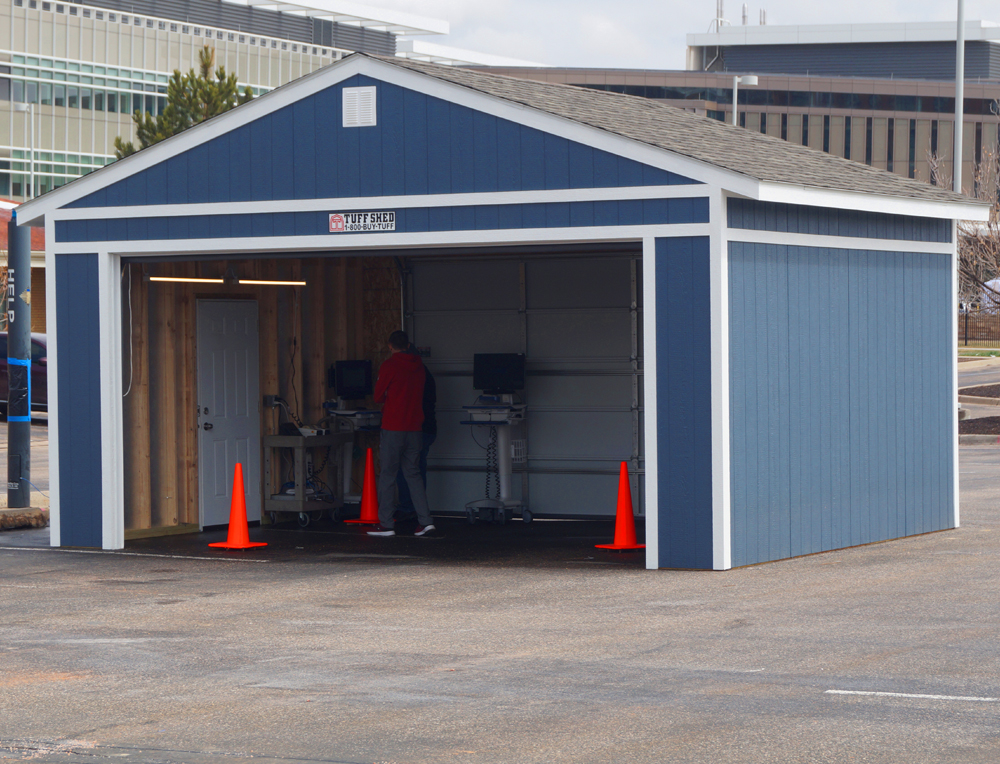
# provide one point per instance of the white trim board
(737, 235)
(331, 243)
(722, 540)
(626, 193)
(52, 370)
(652, 474)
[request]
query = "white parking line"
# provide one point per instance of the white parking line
(124, 554)
(912, 695)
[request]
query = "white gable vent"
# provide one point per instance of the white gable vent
(359, 107)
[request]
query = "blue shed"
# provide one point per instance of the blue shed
(764, 332)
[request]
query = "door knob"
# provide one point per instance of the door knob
(208, 425)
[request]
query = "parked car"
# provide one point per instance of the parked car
(39, 373)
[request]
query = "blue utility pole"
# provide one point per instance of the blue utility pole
(18, 365)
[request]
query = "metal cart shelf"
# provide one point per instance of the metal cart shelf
(298, 503)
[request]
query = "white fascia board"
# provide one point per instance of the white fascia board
(851, 200)
(407, 78)
(742, 235)
(340, 204)
(932, 31)
(112, 409)
(331, 243)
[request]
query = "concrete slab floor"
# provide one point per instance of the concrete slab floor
(410, 659)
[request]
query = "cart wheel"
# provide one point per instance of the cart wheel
(274, 518)
(526, 516)
(303, 519)
(472, 516)
(316, 515)
(500, 516)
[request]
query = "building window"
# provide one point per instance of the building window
(173, 27)
(847, 137)
(185, 29)
(19, 3)
(149, 23)
(125, 19)
(868, 140)
(890, 143)
(784, 127)
(197, 31)
(284, 46)
(826, 133)
(912, 171)
(72, 10)
(58, 95)
(763, 122)
(112, 17)
(137, 22)
(253, 40)
(274, 43)
(243, 39)
(218, 35)
(162, 25)
(72, 97)
(33, 4)
(99, 15)
(85, 98)
(46, 6)
(86, 13)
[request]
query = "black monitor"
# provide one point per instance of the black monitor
(498, 373)
(352, 380)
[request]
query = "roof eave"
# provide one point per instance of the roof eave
(786, 193)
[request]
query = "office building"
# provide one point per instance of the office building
(882, 94)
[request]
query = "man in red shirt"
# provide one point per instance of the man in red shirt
(400, 390)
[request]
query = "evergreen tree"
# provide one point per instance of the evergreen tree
(191, 98)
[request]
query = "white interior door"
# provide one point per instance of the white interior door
(228, 406)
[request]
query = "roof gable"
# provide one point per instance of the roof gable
(419, 145)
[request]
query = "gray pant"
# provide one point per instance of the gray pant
(401, 451)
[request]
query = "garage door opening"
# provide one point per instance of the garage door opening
(576, 316)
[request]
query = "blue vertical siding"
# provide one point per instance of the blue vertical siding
(824, 221)
(841, 415)
(78, 330)
(684, 403)
(420, 145)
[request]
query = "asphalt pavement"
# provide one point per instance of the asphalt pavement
(884, 653)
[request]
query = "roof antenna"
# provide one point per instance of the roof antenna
(763, 17)
(746, 13)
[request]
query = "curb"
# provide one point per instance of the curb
(27, 517)
(979, 400)
(979, 440)
(979, 363)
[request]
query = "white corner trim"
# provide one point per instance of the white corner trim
(838, 242)
(624, 193)
(52, 350)
(722, 546)
(331, 244)
(112, 433)
(649, 356)
(856, 200)
(956, 473)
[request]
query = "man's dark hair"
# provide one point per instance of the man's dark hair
(399, 340)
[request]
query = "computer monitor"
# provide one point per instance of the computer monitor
(352, 380)
(498, 373)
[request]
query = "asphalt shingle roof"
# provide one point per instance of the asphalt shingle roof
(715, 143)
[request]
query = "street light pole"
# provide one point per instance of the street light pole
(746, 79)
(959, 95)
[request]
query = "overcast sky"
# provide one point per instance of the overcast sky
(643, 33)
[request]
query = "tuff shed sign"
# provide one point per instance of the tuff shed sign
(351, 222)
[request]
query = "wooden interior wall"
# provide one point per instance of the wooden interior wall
(347, 310)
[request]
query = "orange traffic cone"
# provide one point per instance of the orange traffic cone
(369, 495)
(239, 536)
(624, 519)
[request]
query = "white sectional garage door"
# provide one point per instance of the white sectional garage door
(578, 321)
